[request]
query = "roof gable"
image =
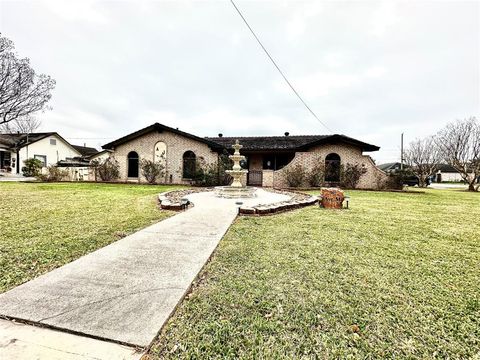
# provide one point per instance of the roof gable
(160, 128)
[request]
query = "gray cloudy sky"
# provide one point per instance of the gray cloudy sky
(369, 69)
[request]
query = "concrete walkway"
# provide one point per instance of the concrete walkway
(126, 291)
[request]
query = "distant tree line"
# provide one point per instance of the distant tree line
(458, 145)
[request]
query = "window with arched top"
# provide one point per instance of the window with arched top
(132, 164)
(160, 152)
(332, 168)
(189, 161)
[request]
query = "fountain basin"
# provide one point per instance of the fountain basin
(230, 192)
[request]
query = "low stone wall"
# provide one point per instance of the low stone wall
(271, 209)
(172, 200)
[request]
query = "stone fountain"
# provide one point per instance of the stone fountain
(236, 189)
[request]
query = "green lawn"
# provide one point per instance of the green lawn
(43, 226)
(396, 276)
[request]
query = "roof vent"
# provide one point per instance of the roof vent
(287, 133)
(220, 135)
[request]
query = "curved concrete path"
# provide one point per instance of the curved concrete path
(126, 291)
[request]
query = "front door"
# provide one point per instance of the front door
(255, 177)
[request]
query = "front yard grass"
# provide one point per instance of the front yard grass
(395, 276)
(43, 226)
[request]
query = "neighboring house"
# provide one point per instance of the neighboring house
(447, 172)
(49, 148)
(267, 156)
(390, 167)
(444, 172)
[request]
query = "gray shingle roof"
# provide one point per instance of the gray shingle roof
(21, 140)
(85, 150)
(290, 143)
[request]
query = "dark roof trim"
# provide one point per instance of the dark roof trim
(19, 141)
(336, 138)
(291, 142)
(160, 128)
(85, 150)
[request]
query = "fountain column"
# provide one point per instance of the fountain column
(237, 171)
(236, 189)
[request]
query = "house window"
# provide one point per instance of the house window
(132, 164)
(189, 160)
(42, 158)
(53, 141)
(332, 168)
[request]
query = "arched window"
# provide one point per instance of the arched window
(132, 164)
(160, 152)
(332, 168)
(189, 160)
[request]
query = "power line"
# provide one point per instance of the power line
(278, 68)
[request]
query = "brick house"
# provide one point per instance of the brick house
(268, 157)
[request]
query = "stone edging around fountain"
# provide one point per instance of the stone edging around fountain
(299, 200)
(172, 200)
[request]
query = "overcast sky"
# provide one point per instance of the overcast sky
(369, 69)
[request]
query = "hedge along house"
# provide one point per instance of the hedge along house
(268, 157)
(180, 152)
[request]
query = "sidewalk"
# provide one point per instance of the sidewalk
(126, 291)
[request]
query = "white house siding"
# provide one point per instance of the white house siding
(54, 153)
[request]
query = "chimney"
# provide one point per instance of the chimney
(220, 135)
(287, 133)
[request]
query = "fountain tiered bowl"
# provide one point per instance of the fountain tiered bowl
(236, 190)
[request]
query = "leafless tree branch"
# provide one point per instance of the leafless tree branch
(459, 143)
(24, 125)
(22, 92)
(423, 157)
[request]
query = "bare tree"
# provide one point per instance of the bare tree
(423, 157)
(460, 146)
(22, 92)
(25, 125)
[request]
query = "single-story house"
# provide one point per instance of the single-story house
(267, 157)
(446, 172)
(443, 172)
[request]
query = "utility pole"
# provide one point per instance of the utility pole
(401, 153)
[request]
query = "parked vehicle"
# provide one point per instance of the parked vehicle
(413, 180)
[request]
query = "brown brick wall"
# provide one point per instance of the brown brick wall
(348, 154)
(176, 147)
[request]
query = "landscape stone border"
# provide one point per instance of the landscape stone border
(172, 200)
(298, 200)
(262, 210)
